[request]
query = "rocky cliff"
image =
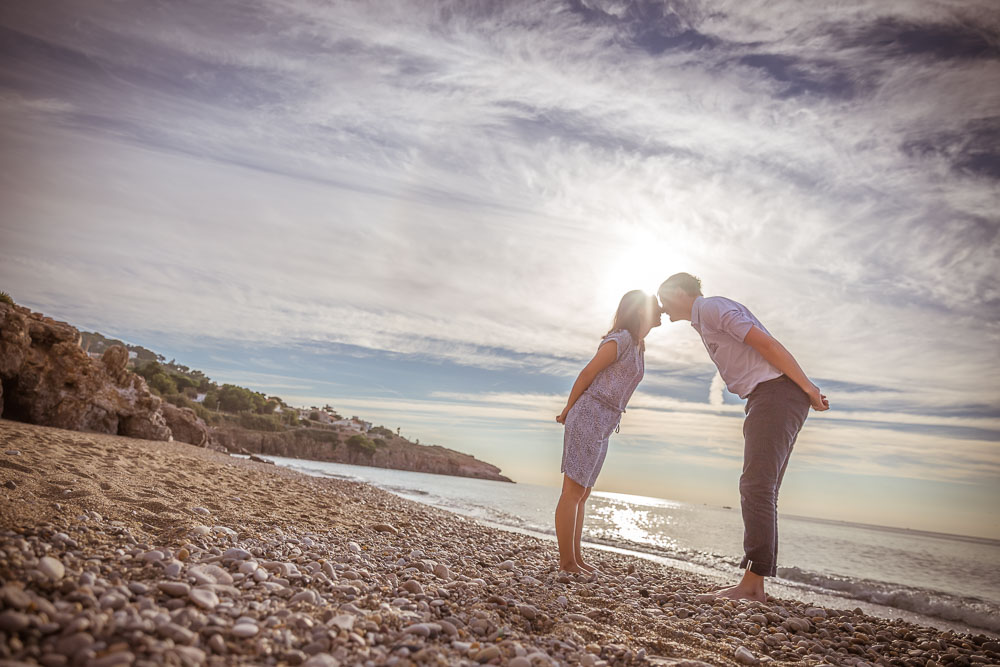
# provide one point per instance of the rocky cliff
(325, 445)
(47, 379)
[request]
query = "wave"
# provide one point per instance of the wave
(973, 612)
(970, 611)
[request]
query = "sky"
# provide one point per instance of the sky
(424, 214)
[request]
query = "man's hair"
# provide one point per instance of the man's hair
(685, 281)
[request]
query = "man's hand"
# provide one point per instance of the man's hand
(819, 401)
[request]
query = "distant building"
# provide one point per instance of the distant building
(200, 398)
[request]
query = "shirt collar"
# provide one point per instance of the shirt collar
(696, 312)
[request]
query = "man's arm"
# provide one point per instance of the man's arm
(776, 355)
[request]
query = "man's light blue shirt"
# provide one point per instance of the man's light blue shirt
(723, 325)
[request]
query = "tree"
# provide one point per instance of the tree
(359, 444)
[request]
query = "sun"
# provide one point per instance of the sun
(637, 265)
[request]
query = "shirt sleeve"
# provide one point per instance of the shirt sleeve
(735, 323)
(622, 338)
(725, 317)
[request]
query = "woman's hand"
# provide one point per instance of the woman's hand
(561, 418)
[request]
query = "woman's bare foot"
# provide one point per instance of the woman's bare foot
(572, 567)
(587, 567)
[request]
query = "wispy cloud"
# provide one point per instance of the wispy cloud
(477, 183)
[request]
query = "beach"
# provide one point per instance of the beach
(120, 551)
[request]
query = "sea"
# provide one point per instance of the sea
(945, 581)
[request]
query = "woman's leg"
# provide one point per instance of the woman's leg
(566, 511)
(578, 534)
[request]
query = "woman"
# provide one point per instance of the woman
(593, 411)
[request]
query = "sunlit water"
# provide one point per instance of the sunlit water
(947, 581)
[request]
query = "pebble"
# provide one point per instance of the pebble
(204, 598)
(13, 452)
(487, 654)
(51, 568)
(384, 528)
(322, 660)
(413, 586)
(745, 656)
(13, 621)
(201, 511)
(175, 588)
(245, 629)
(441, 571)
(235, 553)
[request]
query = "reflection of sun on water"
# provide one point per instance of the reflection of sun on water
(626, 522)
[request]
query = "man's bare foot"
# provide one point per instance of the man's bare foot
(573, 568)
(739, 592)
(587, 566)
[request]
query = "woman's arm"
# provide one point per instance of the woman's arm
(606, 355)
(776, 355)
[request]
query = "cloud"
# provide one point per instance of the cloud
(476, 184)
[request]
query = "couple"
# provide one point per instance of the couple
(753, 365)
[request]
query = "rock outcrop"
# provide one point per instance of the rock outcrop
(47, 379)
(326, 445)
(186, 426)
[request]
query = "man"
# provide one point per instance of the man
(758, 368)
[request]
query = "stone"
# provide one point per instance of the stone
(185, 425)
(59, 385)
(13, 621)
(245, 630)
(384, 528)
(15, 597)
(204, 598)
(487, 654)
(73, 644)
(413, 586)
(236, 553)
(343, 621)
(202, 511)
(51, 568)
(321, 660)
(175, 588)
(745, 657)
(114, 659)
(441, 571)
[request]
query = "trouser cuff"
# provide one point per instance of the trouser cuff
(759, 568)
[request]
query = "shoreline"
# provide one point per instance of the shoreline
(788, 588)
(123, 551)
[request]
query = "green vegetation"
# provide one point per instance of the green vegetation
(319, 435)
(361, 444)
(6, 298)
(260, 422)
(231, 404)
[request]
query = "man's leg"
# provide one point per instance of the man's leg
(774, 418)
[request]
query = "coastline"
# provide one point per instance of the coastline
(124, 551)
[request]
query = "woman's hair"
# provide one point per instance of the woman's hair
(629, 313)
